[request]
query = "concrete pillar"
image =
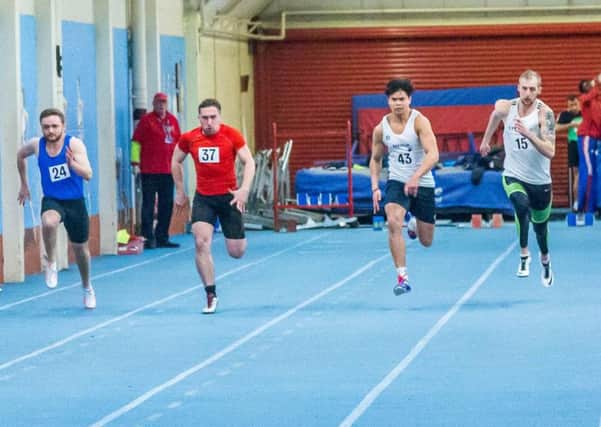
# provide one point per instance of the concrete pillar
(140, 100)
(105, 84)
(11, 135)
(50, 84)
(192, 22)
(153, 48)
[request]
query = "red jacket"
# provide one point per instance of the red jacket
(158, 138)
(590, 106)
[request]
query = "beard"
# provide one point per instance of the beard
(53, 138)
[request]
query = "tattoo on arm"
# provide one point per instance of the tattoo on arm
(549, 131)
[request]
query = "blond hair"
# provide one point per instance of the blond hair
(530, 74)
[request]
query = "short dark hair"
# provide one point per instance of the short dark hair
(209, 102)
(572, 97)
(395, 85)
(584, 86)
(52, 112)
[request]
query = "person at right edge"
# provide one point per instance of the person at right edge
(589, 137)
(529, 143)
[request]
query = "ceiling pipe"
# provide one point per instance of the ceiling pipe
(253, 26)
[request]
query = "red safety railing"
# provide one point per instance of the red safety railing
(277, 206)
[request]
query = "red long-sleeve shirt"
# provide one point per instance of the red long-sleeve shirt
(158, 138)
(590, 106)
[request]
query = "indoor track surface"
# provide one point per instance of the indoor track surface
(309, 333)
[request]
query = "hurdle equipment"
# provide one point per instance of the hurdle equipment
(323, 201)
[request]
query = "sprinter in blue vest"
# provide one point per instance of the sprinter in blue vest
(64, 164)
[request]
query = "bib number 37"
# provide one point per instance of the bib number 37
(208, 155)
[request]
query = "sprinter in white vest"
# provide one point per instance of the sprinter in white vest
(529, 142)
(412, 153)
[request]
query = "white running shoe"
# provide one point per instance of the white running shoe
(51, 273)
(524, 267)
(89, 297)
(211, 307)
(546, 276)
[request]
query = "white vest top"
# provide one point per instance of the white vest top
(405, 152)
(522, 160)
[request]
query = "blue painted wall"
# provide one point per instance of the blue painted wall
(79, 80)
(31, 113)
(173, 51)
(123, 122)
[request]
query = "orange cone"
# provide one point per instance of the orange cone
(476, 221)
(497, 220)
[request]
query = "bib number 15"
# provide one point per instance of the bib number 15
(521, 143)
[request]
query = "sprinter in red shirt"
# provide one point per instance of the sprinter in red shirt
(214, 147)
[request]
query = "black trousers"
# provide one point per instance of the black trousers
(153, 186)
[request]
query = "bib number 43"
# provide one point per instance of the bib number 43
(405, 158)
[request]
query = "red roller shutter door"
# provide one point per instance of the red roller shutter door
(305, 83)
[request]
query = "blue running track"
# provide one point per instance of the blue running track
(309, 333)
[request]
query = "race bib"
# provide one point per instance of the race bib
(208, 154)
(59, 172)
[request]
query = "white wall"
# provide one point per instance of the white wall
(119, 14)
(171, 15)
(77, 11)
(25, 7)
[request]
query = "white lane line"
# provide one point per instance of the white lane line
(422, 343)
(154, 416)
(146, 307)
(230, 348)
(98, 276)
(191, 393)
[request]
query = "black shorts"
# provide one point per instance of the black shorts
(573, 154)
(539, 195)
(74, 215)
(209, 208)
(421, 206)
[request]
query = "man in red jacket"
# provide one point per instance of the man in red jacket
(589, 136)
(154, 140)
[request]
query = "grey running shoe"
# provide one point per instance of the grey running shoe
(402, 286)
